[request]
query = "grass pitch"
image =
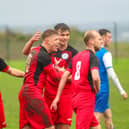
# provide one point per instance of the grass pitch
(10, 87)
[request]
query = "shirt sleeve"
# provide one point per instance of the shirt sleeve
(44, 59)
(3, 66)
(107, 59)
(48, 67)
(94, 64)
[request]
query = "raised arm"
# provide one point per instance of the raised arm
(111, 73)
(29, 44)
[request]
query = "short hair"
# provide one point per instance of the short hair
(103, 31)
(89, 35)
(48, 33)
(62, 27)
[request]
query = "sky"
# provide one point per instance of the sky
(39, 12)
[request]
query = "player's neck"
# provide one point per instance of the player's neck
(46, 47)
(90, 48)
(63, 47)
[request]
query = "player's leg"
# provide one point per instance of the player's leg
(99, 116)
(62, 126)
(94, 123)
(64, 112)
(108, 119)
(52, 127)
(49, 99)
(26, 127)
(2, 115)
(101, 104)
(36, 112)
(85, 111)
(96, 127)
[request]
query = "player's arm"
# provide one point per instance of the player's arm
(96, 79)
(11, 71)
(15, 72)
(107, 59)
(44, 61)
(53, 72)
(94, 68)
(60, 88)
(28, 45)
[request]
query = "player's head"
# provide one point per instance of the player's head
(92, 39)
(106, 36)
(50, 40)
(64, 34)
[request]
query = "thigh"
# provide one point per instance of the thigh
(36, 112)
(85, 111)
(101, 102)
(83, 117)
(64, 111)
(108, 113)
(2, 115)
(94, 122)
(48, 100)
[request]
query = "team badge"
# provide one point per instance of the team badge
(65, 56)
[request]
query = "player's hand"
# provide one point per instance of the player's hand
(125, 96)
(54, 104)
(97, 88)
(36, 36)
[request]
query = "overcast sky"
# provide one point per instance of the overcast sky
(37, 12)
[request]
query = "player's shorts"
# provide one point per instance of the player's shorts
(101, 102)
(83, 105)
(64, 112)
(33, 109)
(2, 116)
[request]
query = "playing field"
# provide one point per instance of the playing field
(10, 87)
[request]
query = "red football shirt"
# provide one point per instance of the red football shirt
(38, 65)
(62, 59)
(80, 67)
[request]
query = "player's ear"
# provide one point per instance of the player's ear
(46, 41)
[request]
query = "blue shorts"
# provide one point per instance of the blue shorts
(101, 102)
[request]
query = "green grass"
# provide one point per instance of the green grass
(10, 87)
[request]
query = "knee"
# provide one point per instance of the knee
(108, 116)
(108, 121)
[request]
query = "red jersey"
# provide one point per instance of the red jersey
(3, 67)
(38, 65)
(62, 59)
(82, 65)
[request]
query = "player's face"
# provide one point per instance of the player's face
(107, 39)
(63, 37)
(97, 41)
(53, 43)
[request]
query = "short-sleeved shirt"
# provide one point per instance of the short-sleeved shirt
(105, 62)
(38, 65)
(81, 66)
(3, 66)
(62, 59)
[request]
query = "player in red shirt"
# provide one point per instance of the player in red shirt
(13, 72)
(34, 112)
(85, 82)
(62, 118)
